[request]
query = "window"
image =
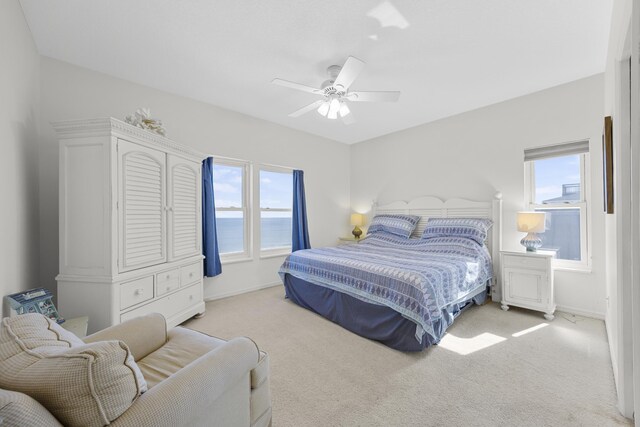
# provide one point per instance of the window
(232, 216)
(276, 203)
(556, 185)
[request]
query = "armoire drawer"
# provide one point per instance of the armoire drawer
(169, 305)
(135, 292)
(167, 281)
(188, 297)
(190, 274)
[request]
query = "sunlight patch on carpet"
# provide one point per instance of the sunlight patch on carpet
(529, 330)
(466, 346)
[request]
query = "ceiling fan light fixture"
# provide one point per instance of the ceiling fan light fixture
(344, 109)
(323, 109)
(334, 107)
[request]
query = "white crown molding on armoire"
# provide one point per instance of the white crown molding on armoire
(130, 224)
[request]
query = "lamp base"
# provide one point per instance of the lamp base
(531, 242)
(356, 232)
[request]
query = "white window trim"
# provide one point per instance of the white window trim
(247, 254)
(584, 265)
(279, 251)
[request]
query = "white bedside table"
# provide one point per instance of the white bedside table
(348, 240)
(527, 281)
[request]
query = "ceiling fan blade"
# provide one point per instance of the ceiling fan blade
(306, 109)
(296, 86)
(350, 70)
(373, 96)
(348, 119)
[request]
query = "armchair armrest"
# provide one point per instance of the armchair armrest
(204, 381)
(143, 335)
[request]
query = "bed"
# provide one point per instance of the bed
(403, 292)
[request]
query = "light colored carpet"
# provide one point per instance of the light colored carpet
(480, 374)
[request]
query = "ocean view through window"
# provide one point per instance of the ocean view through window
(276, 203)
(230, 188)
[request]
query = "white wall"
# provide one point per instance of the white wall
(69, 92)
(472, 155)
(19, 160)
(618, 288)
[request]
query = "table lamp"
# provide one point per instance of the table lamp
(357, 220)
(531, 223)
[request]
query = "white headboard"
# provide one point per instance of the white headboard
(432, 207)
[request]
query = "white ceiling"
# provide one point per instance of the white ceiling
(454, 56)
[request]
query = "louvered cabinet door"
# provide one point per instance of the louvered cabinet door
(141, 206)
(185, 194)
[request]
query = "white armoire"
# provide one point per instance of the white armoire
(130, 224)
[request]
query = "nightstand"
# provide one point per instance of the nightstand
(77, 326)
(348, 240)
(527, 281)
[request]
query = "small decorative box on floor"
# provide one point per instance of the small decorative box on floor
(37, 300)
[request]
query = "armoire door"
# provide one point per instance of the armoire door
(141, 206)
(185, 195)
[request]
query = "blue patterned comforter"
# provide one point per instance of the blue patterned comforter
(417, 278)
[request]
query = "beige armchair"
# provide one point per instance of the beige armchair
(194, 379)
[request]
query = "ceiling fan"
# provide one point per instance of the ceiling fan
(336, 94)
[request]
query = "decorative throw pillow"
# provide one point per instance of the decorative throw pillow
(80, 384)
(400, 225)
(35, 331)
(471, 228)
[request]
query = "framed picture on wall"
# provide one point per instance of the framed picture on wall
(607, 164)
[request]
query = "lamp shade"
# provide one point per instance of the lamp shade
(357, 219)
(323, 109)
(531, 222)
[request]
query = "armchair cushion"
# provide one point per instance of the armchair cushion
(182, 347)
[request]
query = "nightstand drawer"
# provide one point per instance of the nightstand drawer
(526, 262)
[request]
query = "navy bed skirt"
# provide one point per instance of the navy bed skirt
(376, 322)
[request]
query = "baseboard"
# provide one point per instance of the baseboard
(243, 291)
(612, 353)
(580, 312)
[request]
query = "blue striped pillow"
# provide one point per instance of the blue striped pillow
(400, 225)
(471, 228)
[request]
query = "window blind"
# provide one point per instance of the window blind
(568, 149)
